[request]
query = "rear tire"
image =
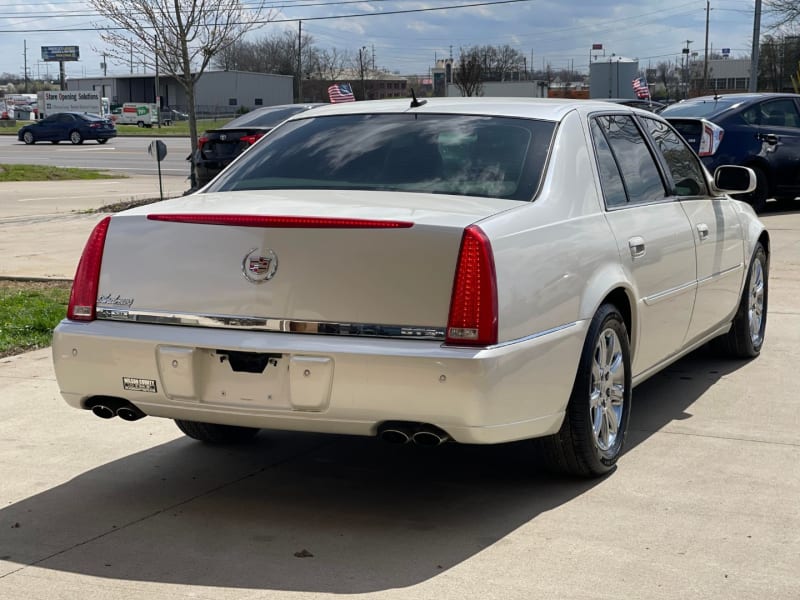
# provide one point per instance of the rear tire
(213, 433)
(746, 336)
(593, 433)
(102, 141)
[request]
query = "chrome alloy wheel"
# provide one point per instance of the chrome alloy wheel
(755, 305)
(607, 392)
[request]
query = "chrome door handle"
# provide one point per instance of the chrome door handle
(636, 244)
(702, 231)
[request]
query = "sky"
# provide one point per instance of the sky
(558, 33)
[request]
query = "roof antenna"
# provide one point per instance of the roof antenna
(414, 102)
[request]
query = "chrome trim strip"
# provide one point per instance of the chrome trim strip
(724, 273)
(534, 336)
(275, 325)
(661, 296)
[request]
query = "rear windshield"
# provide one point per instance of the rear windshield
(705, 108)
(467, 155)
(265, 118)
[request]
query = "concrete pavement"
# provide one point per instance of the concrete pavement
(704, 504)
(44, 225)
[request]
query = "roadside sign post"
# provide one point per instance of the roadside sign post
(158, 149)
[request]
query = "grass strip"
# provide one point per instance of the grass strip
(48, 173)
(29, 311)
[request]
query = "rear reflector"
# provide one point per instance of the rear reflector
(83, 297)
(473, 305)
(281, 222)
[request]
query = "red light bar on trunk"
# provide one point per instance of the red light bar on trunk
(281, 222)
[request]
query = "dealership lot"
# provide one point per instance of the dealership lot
(703, 505)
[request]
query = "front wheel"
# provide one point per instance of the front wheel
(28, 138)
(75, 137)
(746, 335)
(593, 433)
(213, 433)
(102, 141)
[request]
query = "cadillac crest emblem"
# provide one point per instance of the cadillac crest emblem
(258, 266)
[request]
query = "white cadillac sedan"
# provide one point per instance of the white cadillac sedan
(467, 270)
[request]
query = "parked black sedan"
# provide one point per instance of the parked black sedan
(760, 131)
(217, 148)
(68, 126)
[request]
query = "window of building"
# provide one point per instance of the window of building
(232, 102)
(259, 102)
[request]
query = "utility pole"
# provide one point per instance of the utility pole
(105, 65)
(300, 60)
(705, 62)
(25, 58)
(361, 52)
(686, 69)
(753, 87)
(158, 86)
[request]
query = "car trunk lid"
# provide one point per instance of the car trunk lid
(379, 261)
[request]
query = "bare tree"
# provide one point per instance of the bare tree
(183, 35)
(468, 73)
(783, 12)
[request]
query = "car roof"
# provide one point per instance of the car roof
(743, 97)
(548, 109)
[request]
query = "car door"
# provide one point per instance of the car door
(46, 129)
(779, 132)
(653, 235)
(716, 228)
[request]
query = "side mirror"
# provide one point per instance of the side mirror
(730, 179)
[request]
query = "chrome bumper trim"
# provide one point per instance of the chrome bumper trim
(273, 325)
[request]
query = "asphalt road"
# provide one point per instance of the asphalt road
(122, 154)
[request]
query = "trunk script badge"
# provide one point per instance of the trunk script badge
(258, 267)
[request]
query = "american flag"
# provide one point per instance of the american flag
(341, 92)
(640, 88)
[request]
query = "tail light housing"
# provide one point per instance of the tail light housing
(251, 139)
(201, 141)
(473, 305)
(710, 138)
(83, 298)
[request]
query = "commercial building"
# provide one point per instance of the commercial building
(216, 92)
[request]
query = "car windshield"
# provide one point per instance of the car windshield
(264, 118)
(702, 108)
(467, 155)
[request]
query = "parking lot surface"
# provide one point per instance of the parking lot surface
(704, 503)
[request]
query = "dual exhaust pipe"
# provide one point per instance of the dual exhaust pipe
(420, 434)
(108, 408)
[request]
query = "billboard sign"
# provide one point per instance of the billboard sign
(59, 53)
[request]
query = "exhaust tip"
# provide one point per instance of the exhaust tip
(394, 436)
(102, 411)
(430, 438)
(129, 413)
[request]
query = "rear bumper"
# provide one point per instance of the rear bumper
(325, 384)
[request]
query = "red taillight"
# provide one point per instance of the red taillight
(83, 297)
(201, 141)
(251, 139)
(278, 221)
(473, 305)
(710, 138)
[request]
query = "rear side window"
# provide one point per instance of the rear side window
(687, 175)
(637, 167)
(496, 157)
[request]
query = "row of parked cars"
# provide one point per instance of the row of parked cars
(760, 131)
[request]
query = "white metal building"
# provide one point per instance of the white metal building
(216, 92)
